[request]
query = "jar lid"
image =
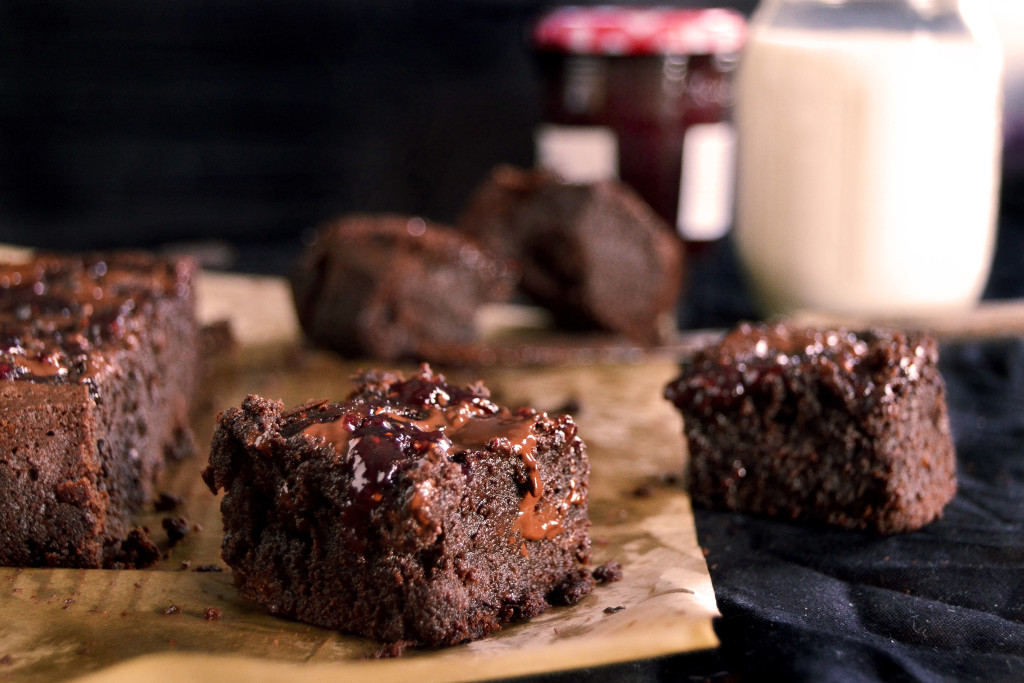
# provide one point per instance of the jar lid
(612, 30)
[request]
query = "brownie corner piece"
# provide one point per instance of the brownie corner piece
(393, 286)
(412, 511)
(848, 428)
(98, 365)
(595, 254)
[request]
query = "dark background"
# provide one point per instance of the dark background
(139, 123)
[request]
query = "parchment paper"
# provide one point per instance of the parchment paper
(152, 624)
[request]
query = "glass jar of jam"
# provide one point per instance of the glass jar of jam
(644, 95)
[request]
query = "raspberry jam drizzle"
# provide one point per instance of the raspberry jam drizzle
(59, 314)
(423, 416)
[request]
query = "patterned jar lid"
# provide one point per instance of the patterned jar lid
(611, 30)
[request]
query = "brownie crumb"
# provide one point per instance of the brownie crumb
(572, 406)
(172, 609)
(575, 587)
(672, 479)
(68, 602)
(613, 610)
(609, 572)
(6, 660)
(643, 491)
(185, 564)
(212, 613)
(176, 528)
(167, 502)
(137, 551)
(209, 568)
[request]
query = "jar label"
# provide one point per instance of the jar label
(706, 184)
(578, 154)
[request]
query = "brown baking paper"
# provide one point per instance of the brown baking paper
(173, 620)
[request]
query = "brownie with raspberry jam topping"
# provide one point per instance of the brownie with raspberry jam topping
(415, 511)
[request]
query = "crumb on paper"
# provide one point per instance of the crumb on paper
(643, 491)
(613, 610)
(671, 479)
(209, 568)
(6, 660)
(172, 609)
(176, 528)
(572, 406)
(167, 502)
(212, 613)
(609, 572)
(185, 564)
(137, 551)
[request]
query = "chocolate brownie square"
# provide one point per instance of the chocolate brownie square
(389, 286)
(595, 254)
(414, 511)
(825, 425)
(98, 366)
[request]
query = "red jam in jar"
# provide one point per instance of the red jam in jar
(644, 95)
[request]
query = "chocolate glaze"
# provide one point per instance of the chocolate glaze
(858, 368)
(426, 417)
(62, 317)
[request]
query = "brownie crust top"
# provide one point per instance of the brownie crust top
(864, 370)
(390, 424)
(62, 316)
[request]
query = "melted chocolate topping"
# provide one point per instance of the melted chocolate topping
(61, 315)
(859, 369)
(389, 425)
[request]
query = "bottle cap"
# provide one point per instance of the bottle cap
(631, 31)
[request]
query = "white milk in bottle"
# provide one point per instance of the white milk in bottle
(869, 136)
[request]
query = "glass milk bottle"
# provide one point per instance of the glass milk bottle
(869, 154)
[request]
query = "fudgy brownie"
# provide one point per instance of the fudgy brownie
(836, 426)
(595, 254)
(390, 286)
(413, 511)
(98, 364)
